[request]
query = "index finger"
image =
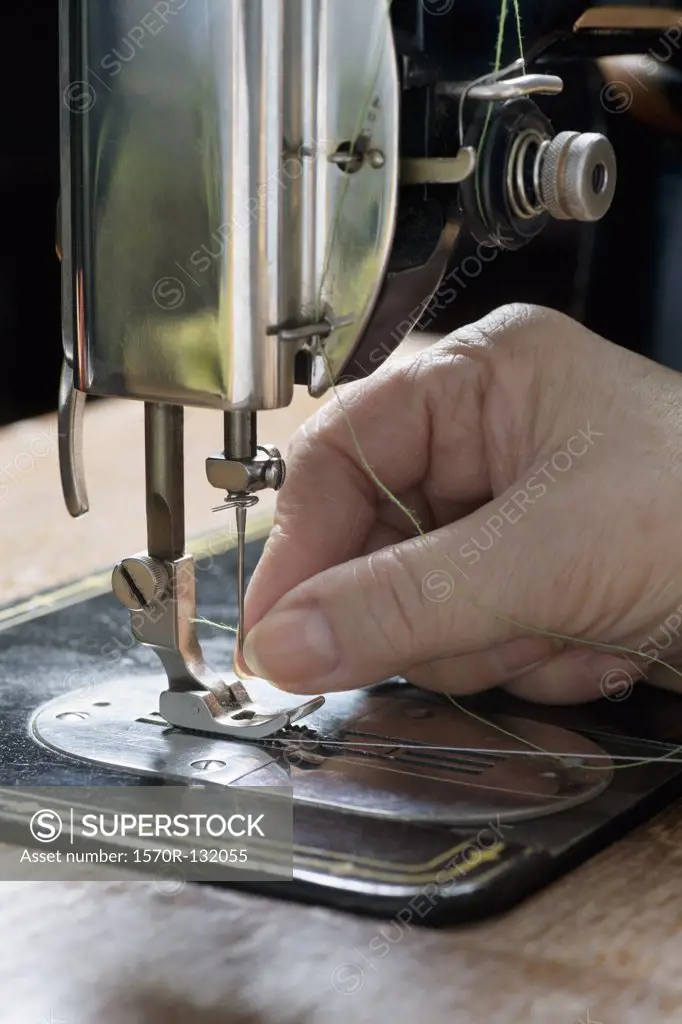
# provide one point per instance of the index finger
(393, 422)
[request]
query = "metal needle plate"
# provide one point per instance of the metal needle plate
(394, 769)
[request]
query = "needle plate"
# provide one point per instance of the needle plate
(392, 752)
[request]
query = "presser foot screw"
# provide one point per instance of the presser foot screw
(138, 582)
(275, 473)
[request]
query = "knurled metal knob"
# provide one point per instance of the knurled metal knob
(139, 581)
(578, 176)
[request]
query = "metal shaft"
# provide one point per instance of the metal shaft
(240, 435)
(165, 478)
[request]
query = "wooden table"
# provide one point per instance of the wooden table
(604, 944)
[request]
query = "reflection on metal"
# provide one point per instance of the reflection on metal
(626, 17)
(409, 778)
(405, 300)
(524, 85)
(646, 97)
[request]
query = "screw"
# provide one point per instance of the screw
(376, 159)
(138, 582)
(275, 474)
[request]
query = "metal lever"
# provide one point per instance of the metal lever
(70, 426)
(489, 90)
(71, 409)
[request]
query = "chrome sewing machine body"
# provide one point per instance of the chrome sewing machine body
(237, 215)
(263, 193)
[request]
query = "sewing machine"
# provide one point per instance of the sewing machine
(259, 194)
(282, 244)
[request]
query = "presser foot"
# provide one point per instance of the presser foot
(204, 711)
(196, 699)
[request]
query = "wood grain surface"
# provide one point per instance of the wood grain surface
(604, 944)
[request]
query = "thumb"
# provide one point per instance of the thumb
(378, 616)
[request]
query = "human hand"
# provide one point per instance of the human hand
(545, 466)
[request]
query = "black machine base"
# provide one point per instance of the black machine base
(404, 805)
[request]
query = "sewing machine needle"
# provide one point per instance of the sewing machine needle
(241, 585)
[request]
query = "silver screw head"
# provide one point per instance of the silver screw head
(138, 582)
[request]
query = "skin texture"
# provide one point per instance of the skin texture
(545, 466)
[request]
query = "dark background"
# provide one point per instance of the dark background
(621, 278)
(29, 186)
(610, 276)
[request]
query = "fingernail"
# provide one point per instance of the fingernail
(296, 649)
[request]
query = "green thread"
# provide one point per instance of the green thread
(496, 67)
(519, 32)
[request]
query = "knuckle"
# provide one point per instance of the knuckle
(530, 326)
(519, 322)
(519, 314)
(516, 337)
(518, 326)
(504, 328)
